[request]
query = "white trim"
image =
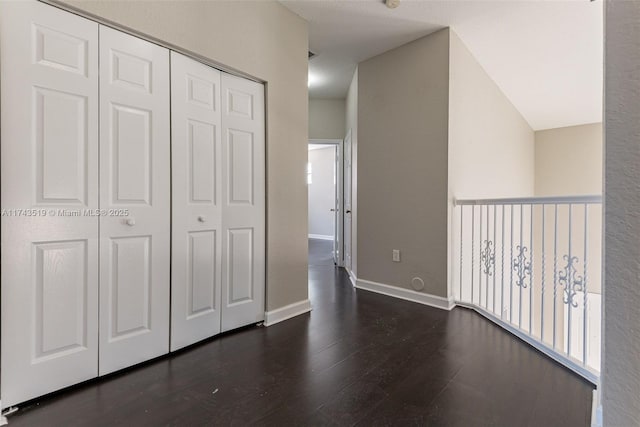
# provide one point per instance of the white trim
(338, 239)
(60, 4)
(554, 200)
(352, 277)
(3, 419)
(596, 409)
(406, 294)
(325, 141)
(287, 312)
(575, 366)
(321, 237)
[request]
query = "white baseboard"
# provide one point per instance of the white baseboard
(320, 236)
(3, 419)
(287, 312)
(406, 294)
(352, 277)
(596, 410)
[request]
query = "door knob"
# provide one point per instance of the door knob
(332, 210)
(348, 211)
(201, 218)
(130, 222)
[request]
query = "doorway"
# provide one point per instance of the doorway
(325, 189)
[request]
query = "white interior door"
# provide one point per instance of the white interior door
(347, 201)
(196, 265)
(243, 197)
(49, 85)
(134, 191)
(338, 236)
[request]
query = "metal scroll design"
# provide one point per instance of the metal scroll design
(521, 266)
(488, 257)
(570, 280)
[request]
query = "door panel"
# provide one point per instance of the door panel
(49, 163)
(243, 211)
(130, 286)
(240, 263)
(135, 194)
(131, 148)
(196, 187)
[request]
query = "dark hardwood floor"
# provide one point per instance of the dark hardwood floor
(320, 253)
(358, 359)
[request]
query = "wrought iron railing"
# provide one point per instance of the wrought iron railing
(533, 266)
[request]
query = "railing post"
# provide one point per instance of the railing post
(555, 272)
(532, 266)
(502, 268)
(494, 269)
(473, 236)
(461, 246)
(568, 284)
(543, 274)
(480, 263)
(584, 287)
(511, 270)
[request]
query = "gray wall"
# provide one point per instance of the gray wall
(326, 118)
(402, 164)
(322, 191)
(266, 40)
(621, 351)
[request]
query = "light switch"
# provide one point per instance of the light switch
(396, 255)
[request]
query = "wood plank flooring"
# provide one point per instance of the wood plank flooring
(358, 359)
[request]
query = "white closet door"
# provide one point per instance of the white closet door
(134, 177)
(243, 196)
(49, 75)
(196, 154)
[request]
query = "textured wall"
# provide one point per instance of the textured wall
(266, 40)
(621, 351)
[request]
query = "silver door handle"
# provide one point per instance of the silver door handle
(202, 218)
(130, 222)
(332, 210)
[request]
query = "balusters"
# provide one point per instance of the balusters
(527, 244)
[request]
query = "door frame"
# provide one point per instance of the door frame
(339, 144)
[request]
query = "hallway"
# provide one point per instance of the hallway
(359, 358)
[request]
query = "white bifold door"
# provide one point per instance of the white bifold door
(196, 152)
(89, 282)
(135, 193)
(243, 198)
(218, 188)
(49, 75)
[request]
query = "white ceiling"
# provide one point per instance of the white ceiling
(546, 56)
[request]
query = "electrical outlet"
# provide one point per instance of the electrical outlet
(396, 255)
